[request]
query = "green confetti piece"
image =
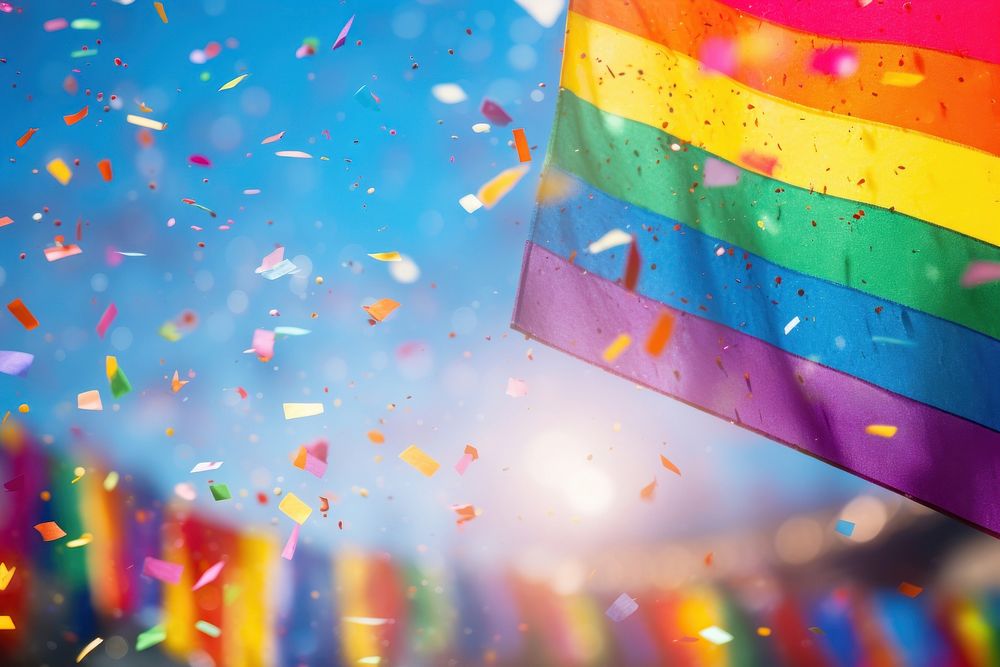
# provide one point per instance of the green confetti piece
(204, 76)
(83, 53)
(85, 24)
(151, 637)
(120, 384)
(229, 593)
(208, 628)
(220, 491)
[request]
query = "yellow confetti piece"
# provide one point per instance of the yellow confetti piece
(881, 430)
(296, 410)
(618, 345)
(902, 79)
(81, 541)
(159, 10)
(235, 82)
(79, 471)
(6, 623)
(496, 188)
(148, 123)
(293, 507)
(111, 481)
(59, 171)
(5, 576)
(420, 460)
(392, 256)
(88, 648)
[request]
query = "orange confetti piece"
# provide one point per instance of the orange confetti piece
(158, 6)
(709, 557)
(668, 464)
(376, 437)
(465, 513)
(648, 491)
(5, 220)
(23, 315)
(50, 530)
(75, 118)
(26, 137)
(381, 309)
(176, 383)
(660, 335)
(910, 590)
(88, 648)
(763, 631)
(105, 167)
(521, 144)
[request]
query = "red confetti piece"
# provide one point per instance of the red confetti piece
(631, 278)
(26, 137)
(75, 118)
(23, 315)
(105, 167)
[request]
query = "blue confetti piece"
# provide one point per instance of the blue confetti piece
(845, 528)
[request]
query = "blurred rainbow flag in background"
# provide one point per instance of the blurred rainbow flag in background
(787, 214)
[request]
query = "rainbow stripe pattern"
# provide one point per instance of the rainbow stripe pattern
(807, 185)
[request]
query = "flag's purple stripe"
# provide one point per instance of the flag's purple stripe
(937, 458)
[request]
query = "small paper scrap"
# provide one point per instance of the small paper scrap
(669, 465)
(902, 79)
(516, 388)
(611, 239)
(160, 11)
(497, 187)
(471, 454)
(448, 93)
(59, 171)
(6, 623)
(155, 635)
(88, 648)
(470, 203)
(263, 344)
(26, 137)
(391, 256)
(420, 460)
(5, 576)
(220, 492)
(495, 113)
(342, 37)
(910, 590)
(623, 607)
(716, 635)
(15, 363)
(845, 528)
(74, 118)
(50, 530)
(89, 400)
(660, 335)
(104, 166)
(233, 83)
(616, 348)
(116, 377)
(312, 458)
(23, 315)
(302, 155)
(208, 576)
(465, 513)
(165, 571)
(719, 174)
(274, 265)
(521, 145)
(147, 123)
(980, 273)
(274, 137)
(288, 552)
(794, 322)
(106, 319)
(381, 309)
(205, 466)
(297, 410)
(293, 507)
(881, 430)
(207, 628)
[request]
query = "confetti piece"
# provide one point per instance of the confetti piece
(381, 309)
(448, 93)
(495, 113)
(294, 508)
(370, 621)
(342, 37)
(5, 576)
(200, 160)
(632, 264)
(85, 24)
(5, 220)
(470, 203)
(311, 458)
(516, 388)
(54, 25)
(391, 256)
(176, 384)
(75, 118)
(205, 466)
(497, 187)
(26, 137)
(274, 137)
(288, 552)
(15, 363)
(263, 344)
(59, 171)
(881, 430)
(83, 53)
(648, 492)
(902, 79)
(155, 635)
(162, 570)
(792, 323)
(208, 576)
(302, 155)
(719, 174)
(420, 460)
(611, 239)
(521, 144)
(23, 315)
(367, 98)
(718, 55)
(233, 83)
(465, 513)
(716, 635)
(623, 607)
(61, 251)
(844, 527)
(81, 541)
(158, 6)
(910, 590)
(104, 166)
(668, 464)
(837, 61)
(6, 623)
(220, 492)
(50, 530)
(116, 377)
(980, 273)
(545, 12)
(765, 164)
(481, 128)
(111, 481)
(763, 631)
(370, 660)
(16, 484)
(616, 348)
(463, 464)
(297, 410)
(89, 400)
(207, 628)
(106, 319)
(142, 121)
(376, 437)
(658, 338)
(291, 331)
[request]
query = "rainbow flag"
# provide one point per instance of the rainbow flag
(786, 213)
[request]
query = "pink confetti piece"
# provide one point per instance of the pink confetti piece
(516, 388)
(160, 569)
(302, 155)
(58, 252)
(208, 576)
(52, 25)
(271, 259)
(495, 113)
(106, 319)
(463, 464)
(263, 343)
(200, 160)
(342, 37)
(718, 55)
(293, 541)
(980, 273)
(274, 137)
(720, 174)
(839, 61)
